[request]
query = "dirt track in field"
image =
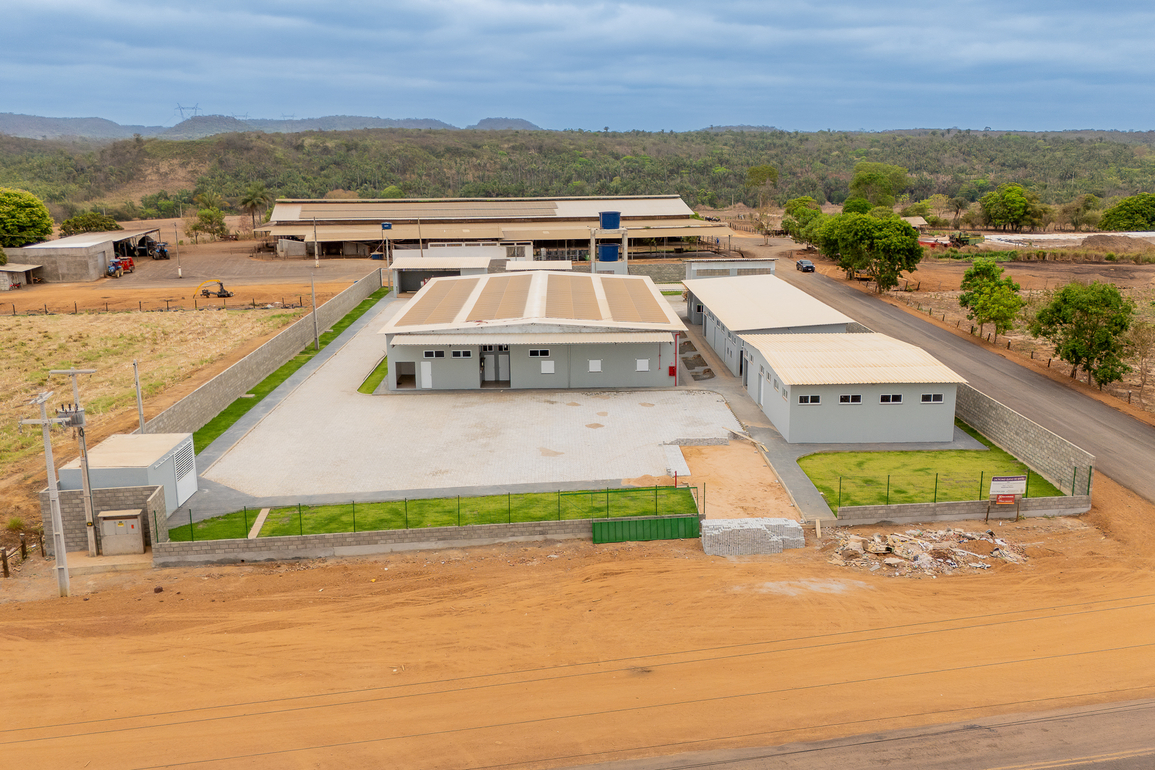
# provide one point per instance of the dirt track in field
(551, 655)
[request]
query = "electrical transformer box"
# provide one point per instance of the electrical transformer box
(140, 460)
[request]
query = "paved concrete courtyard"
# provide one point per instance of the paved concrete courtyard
(325, 438)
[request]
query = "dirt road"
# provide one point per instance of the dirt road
(566, 654)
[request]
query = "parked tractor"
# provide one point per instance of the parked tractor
(160, 251)
(960, 239)
(209, 291)
(118, 266)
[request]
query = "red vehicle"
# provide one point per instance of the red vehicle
(118, 266)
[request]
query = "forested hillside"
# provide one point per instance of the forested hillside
(705, 167)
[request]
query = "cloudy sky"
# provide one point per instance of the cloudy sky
(838, 64)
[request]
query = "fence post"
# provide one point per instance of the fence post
(509, 510)
(459, 510)
(300, 524)
(1073, 481)
(888, 498)
(559, 505)
(4, 559)
(406, 501)
(935, 495)
(245, 513)
(192, 535)
(980, 497)
(1089, 481)
(655, 499)
(839, 504)
(1027, 481)
(353, 508)
(154, 526)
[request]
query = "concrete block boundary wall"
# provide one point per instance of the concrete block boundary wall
(966, 510)
(206, 402)
(1047, 454)
(339, 544)
(149, 499)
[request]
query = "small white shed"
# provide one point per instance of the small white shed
(136, 460)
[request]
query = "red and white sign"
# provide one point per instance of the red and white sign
(1005, 499)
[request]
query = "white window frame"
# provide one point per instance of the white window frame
(539, 353)
(891, 398)
(809, 399)
(642, 364)
(851, 398)
(931, 398)
(547, 367)
(594, 364)
(434, 354)
(461, 354)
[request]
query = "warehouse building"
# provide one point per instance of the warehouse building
(850, 388)
(82, 257)
(534, 329)
(728, 307)
(519, 228)
(715, 268)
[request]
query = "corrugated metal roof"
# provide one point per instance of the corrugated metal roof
(467, 208)
(540, 338)
(536, 297)
(751, 302)
(15, 267)
(553, 264)
(439, 263)
(92, 239)
(848, 359)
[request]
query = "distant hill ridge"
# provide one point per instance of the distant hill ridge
(199, 126)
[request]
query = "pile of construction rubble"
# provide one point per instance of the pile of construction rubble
(926, 552)
(743, 537)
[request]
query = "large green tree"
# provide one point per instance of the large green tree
(989, 297)
(210, 222)
(24, 218)
(1134, 213)
(88, 222)
(1011, 207)
(761, 178)
(879, 183)
(885, 248)
(1088, 327)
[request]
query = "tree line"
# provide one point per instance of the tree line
(706, 168)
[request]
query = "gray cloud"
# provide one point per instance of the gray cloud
(1028, 65)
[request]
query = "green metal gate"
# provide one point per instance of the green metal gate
(659, 528)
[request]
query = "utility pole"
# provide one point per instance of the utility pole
(53, 497)
(139, 400)
(76, 415)
(177, 249)
(313, 293)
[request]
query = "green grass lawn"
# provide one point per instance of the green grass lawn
(213, 429)
(879, 478)
(375, 377)
(448, 512)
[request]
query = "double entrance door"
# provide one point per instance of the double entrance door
(495, 363)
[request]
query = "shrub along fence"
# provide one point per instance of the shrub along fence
(455, 511)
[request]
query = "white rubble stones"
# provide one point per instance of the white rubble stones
(743, 537)
(925, 552)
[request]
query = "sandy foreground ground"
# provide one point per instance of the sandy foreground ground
(561, 654)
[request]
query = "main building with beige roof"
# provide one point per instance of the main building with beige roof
(538, 329)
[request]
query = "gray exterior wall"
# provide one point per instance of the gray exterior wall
(710, 268)
(149, 499)
(832, 422)
(207, 401)
(1054, 458)
(65, 265)
(571, 366)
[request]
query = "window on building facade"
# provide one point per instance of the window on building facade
(853, 398)
(435, 354)
(595, 365)
(931, 398)
(893, 398)
(808, 399)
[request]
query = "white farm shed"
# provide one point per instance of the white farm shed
(851, 388)
(727, 307)
(534, 329)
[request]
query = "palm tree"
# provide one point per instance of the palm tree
(209, 199)
(256, 198)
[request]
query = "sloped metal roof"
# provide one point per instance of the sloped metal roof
(523, 338)
(848, 359)
(751, 302)
(439, 263)
(558, 300)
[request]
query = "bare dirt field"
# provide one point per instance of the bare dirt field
(551, 655)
